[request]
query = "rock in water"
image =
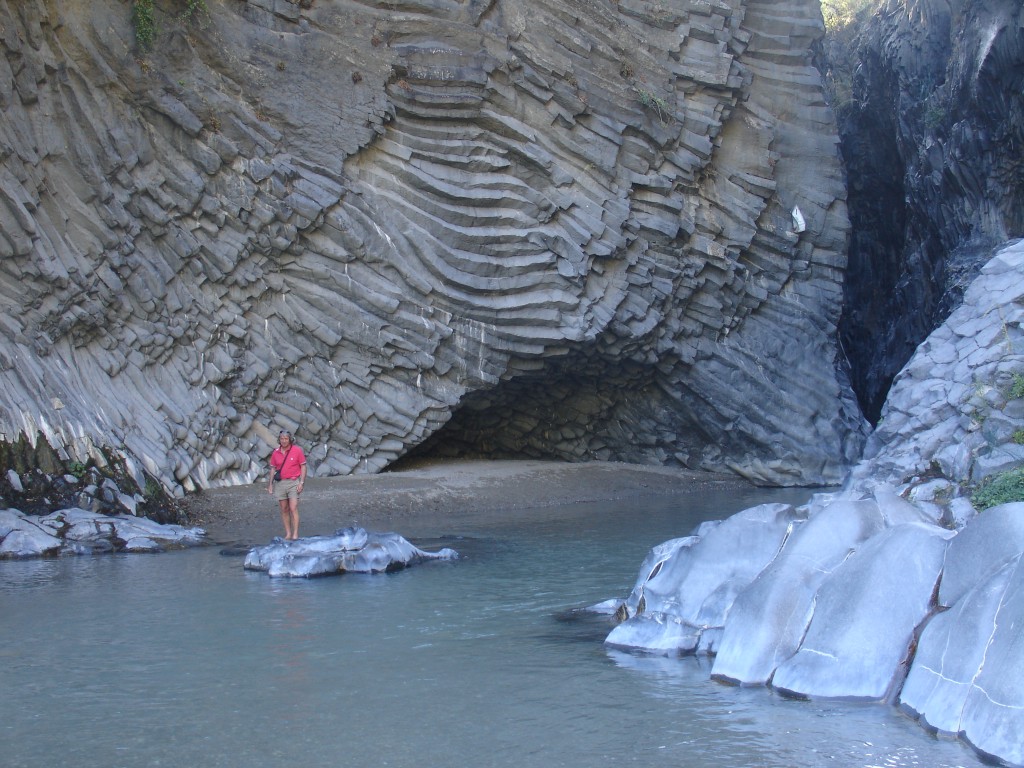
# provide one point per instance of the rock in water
(686, 600)
(866, 615)
(897, 570)
(81, 531)
(349, 550)
(768, 621)
(968, 674)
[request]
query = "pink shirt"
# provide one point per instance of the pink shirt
(290, 466)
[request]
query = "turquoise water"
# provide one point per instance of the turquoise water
(185, 659)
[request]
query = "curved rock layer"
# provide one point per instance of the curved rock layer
(609, 230)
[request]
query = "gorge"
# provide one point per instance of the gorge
(569, 230)
(702, 234)
(563, 230)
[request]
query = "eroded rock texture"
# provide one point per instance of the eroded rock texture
(896, 588)
(549, 228)
(932, 135)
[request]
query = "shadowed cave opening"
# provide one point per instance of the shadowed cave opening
(574, 409)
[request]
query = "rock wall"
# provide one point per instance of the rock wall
(897, 588)
(932, 127)
(558, 229)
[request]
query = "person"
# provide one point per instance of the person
(289, 459)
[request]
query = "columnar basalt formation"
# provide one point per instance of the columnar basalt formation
(559, 229)
(932, 133)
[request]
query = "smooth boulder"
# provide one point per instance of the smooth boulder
(81, 531)
(349, 550)
(687, 599)
(967, 677)
(865, 617)
(769, 619)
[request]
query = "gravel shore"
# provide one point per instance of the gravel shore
(433, 498)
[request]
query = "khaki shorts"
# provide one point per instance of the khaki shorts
(286, 489)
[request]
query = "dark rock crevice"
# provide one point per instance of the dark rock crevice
(932, 134)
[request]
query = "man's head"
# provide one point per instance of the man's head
(284, 439)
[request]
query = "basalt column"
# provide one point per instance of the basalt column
(548, 229)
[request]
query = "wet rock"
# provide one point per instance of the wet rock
(865, 617)
(25, 539)
(80, 531)
(769, 620)
(966, 678)
(349, 550)
(898, 570)
(686, 600)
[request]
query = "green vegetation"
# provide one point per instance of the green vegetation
(144, 23)
(843, 20)
(77, 469)
(652, 101)
(840, 14)
(935, 115)
(195, 11)
(1003, 488)
(153, 489)
(144, 19)
(1017, 387)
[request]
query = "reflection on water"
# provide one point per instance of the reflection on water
(185, 659)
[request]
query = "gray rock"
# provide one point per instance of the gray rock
(693, 590)
(865, 616)
(966, 678)
(142, 544)
(984, 546)
(944, 169)
(650, 567)
(993, 717)
(15, 481)
(29, 541)
(81, 531)
(927, 422)
(551, 276)
(897, 555)
(350, 550)
(769, 620)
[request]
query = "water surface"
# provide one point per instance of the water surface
(185, 659)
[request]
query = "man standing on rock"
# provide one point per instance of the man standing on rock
(287, 477)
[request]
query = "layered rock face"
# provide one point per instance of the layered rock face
(932, 134)
(548, 229)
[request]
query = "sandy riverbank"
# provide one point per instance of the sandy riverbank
(435, 498)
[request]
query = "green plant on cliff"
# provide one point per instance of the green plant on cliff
(144, 23)
(144, 19)
(1017, 387)
(841, 14)
(652, 101)
(1003, 488)
(843, 21)
(77, 468)
(195, 11)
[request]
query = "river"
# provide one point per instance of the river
(185, 659)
